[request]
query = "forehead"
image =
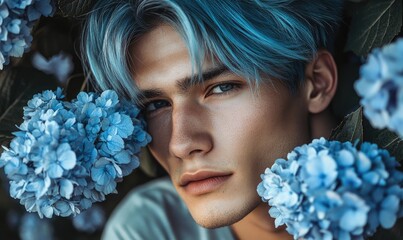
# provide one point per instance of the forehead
(158, 44)
(159, 54)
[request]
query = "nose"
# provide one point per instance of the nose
(190, 131)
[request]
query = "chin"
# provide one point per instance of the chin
(214, 222)
(220, 216)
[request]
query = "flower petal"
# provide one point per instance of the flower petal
(68, 159)
(122, 157)
(66, 188)
(55, 170)
(387, 218)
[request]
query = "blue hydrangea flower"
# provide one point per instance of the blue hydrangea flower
(18, 4)
(354, 213)
(39, 8)
(34, 228)
(333, 190)
(91, 220)
(17, 18)
(320, 170)
(381, 87)
(68, 155)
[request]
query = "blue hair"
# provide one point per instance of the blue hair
(257, 39)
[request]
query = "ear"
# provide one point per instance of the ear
(320, 81)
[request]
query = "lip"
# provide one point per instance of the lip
(202, 182)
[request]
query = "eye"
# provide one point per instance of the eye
(222, 88)
(155, 105)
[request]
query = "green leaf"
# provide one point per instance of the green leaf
(354, 127)
(350, 129)
(374, 24)
(384, 139)
(74, 8)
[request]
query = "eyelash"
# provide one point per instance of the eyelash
(234, 87)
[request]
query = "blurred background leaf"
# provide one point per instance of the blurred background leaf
(17, 85)
(74, 8)
(373, 24)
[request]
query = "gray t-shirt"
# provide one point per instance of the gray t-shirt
(155, 211)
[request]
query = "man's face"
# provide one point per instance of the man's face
(215, 138)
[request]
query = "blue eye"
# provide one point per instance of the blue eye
(155, 105)
(222, 88)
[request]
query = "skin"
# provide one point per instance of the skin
(220, 125)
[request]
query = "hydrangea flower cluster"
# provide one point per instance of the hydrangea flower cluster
(381, 87)
(17, 18)
(332, 190)
(68, 155)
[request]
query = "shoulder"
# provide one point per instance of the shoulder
(155, 194)
(155, 211)
(143, 208)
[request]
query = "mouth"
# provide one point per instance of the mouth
(203, 182)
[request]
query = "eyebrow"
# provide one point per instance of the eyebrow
(186, 82)
(207, 75)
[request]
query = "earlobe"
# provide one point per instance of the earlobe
(321, 81)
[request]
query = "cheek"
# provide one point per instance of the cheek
(160, 132)
(259, 130)
(239, 134)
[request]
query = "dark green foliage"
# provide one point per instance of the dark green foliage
(350, 129)
(355, 127)
(373, 24)
(74, 8)
(17, 85)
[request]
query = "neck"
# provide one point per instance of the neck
(321, 124)
(259, 225)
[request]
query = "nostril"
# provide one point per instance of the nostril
(196, 151)
(195, 144)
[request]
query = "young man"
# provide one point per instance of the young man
(226, 87)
